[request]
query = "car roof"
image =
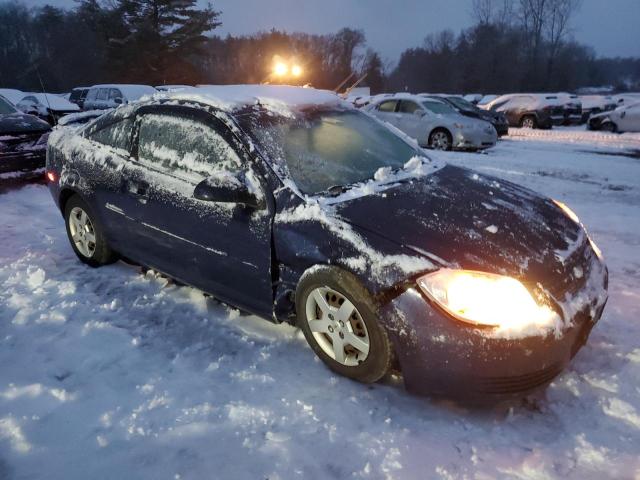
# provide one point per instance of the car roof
(131, 91)
(279, 98)
(405, 96)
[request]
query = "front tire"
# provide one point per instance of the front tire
(528, 121)
(86, 234)
(609, 127)
(339, 320)
(440, 139)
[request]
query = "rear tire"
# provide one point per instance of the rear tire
(338, 317)
(440, 139)
(528, 121)
(86, 234)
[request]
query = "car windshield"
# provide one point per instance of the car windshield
(325, 148)
(6, 107)
(437, 107)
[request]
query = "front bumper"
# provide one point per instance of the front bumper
(556, 119)
(439, 356)
(474, 139)
(573, 119)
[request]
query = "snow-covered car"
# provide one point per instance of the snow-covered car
(622, 119)
(293, 205)
(572, 106)
(78, 96)
(101, 97)
(170, 88)
(486, 99)
(529, 110)
(48, 106)
(620, 99)
(433, 122)
(468, 109)
(592, 104)
(23, 139)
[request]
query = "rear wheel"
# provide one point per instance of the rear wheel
(86, 234)
(440, 139)
(528, 121)
(338, 318)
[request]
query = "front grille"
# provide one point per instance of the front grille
(519, 383)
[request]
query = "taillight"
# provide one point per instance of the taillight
(51, 176)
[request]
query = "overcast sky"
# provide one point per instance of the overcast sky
(611, 27)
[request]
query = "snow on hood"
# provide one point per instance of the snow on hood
(460, 219)
(281, 99)
(21, 123)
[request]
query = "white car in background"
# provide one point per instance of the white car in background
(101, 97)
(593, 104)
(623, 119)
(48, 106)
(433, 122)
(626, 98)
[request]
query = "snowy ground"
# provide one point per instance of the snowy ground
(116, 374)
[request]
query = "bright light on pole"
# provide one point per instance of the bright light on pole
(280, 69)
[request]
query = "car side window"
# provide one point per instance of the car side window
(92, 95)
(103, 93)
(116, 135)
(114, 93)
(388, 106)
(407, 106)
(185, 147)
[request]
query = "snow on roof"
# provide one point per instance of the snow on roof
(53, 101)
(279, 98)
(11, 94)
(131, 92)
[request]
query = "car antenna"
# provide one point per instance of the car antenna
(46, 97)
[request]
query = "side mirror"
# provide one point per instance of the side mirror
(228, 187)
(118, 101)
(419, 113)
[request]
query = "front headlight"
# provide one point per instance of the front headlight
(487, 299)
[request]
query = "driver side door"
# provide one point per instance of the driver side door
(220, 247)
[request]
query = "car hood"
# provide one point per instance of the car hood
(22, 123)
(458, 218)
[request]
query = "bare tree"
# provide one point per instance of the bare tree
(557, 27)
(482, 11)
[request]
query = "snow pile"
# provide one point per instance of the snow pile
(577, 135)
(116, 373)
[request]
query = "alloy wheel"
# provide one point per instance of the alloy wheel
(528, 122)
(337, 326)
(82, 232)
(440, 141)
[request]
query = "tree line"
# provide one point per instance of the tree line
(513, 46)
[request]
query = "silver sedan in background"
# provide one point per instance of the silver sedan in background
(433, 123)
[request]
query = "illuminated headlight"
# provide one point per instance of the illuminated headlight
(487, 299)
